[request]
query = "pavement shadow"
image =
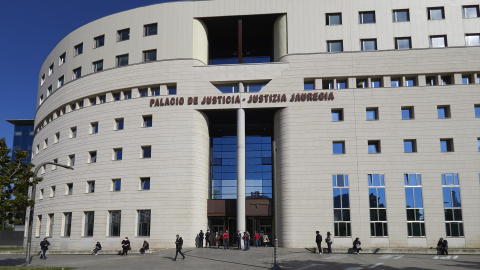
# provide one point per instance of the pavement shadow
(12, 262)
(249, 266)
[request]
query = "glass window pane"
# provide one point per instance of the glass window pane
(335, 19)
(371, 115)
(340, 182)
(455, 230)
(449, 178)
(419, 215)
(335, 46)
(472, 40)
(373, 197)
(437, 42)
(409, 197)
(337, 215)
(369, 45)
(436, 13)
(456, 197)
(373, 215)
(338, 148)
(381, 197)
(447, 200)
(382, 214)
(448, 214)
(379, 229)
(408, 146)
(416, 229)
(457, 214)
(403, 43)
(346, 215)
(409, 229)
(418, 197)
(345, 198)
(336, 198)
(411, 214)
(401, 15)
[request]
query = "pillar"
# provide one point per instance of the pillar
(241, 170)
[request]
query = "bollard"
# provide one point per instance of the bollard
(275, 255)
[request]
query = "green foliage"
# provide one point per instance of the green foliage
(14, 184)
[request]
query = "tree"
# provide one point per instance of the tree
(14, 184)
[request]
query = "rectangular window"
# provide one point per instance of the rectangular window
(438, 41)
(150, 29)
(252, 87)
(40, 196)
(122, 60)
(127, 94)
(144, 222)
(147, 121)
(61, 59)
(115, 222)
(155, 91)
(408, 113)
(409, 146)
(69, 189)
(337, 115)
(472, 40)
(338, 147)
(476, 107)
(430, 80)
(80, 104)
(478, 144)
(93, 101)
(341, 84)
(374, 147)
(56, 138)
(67, 229)
(49, 91)
(395, 82)
(73, 132)
(123, 34)
(50, 223)
(410, 81)
(50, 70)
(118, 124)
(116, 96)
(372, 114)
(403, 43)
(470, 12)
(116, 184)
(366, 17)
(375, 83)
(446, 145)
(39, 226)
(145, 183)
(78, 49)
(102, 99)
(368, 44)
(335, 46)
(172, 89)
(341, 205)
(445, 80)
(45, 143)
(466, 79)
(89, 222)
(52, 191)
(42, 80)
(97, 66)
(414, 204)
(117, 154)
(99, 41)
(60, 82)
(443, 111)
(144, 92)
(77, 73)
(378, 205)
(327, 84)
(92, 157)
(436, 13)
(401, 15)
(227, 88)
(94, 128)
(90, 187)
(147, 151)
(150, 55)
(452, 205)
(334, 18)
(71, 160)
(308, 85)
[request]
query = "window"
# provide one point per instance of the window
(71, 160)
(116, 96)
(43, 169)
(147, 151)
(374, 147)
(80, 104)
(252, 87)
(430, 80)
(41, 100)
(341, 205)
(50, 223)
(341, 84)
(99, 41)
(403, 43)
(150, 55)
(69, 189)
(67, 229)
(54, 167)
(94, 128)
(452, 205)
(172, 89)
(78, 49)
(445, 80)
(410, 81)
(56, 138)
(436, 13)
(446, 145)
(155, 91)
(122, 60)
(50, 70)
(89, 222)
(414, 204)
(338, 147)
(117, 154)
(472, 40)
(368, 44)
(334, 18)
(39, 226)
(443, 111)
(150, 29)
(395, 82)
(327, 84)
(97, 66)
(90, 187)
(45, 143)
(102, 99)
(127, 94)
(476, 107)
(92, 157)
(470, 12)
(408, 113)
(409, 146)
(40, 196)
(61, 59)
(115, 221)
(118, 124)
(49, 91)
(144, 92)
(123, 34)
(466, 79)
(337, 115)
(308, 85)
(144, 222)
(401, 15)
(378, 205)
(42, 80)
(61, 82)
(116, 184)
(147, 121)
(372, 114)
(478, 144)
(366, 17)
(77, 73)
(228, 88)
(438, 41)
(145, 183)
(375, 83)
(335, 46)
(52, 191)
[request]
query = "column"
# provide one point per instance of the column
(241, 170)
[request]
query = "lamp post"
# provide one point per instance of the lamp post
(32, 197)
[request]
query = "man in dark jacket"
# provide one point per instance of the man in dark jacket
(178, 245)
(207, 239)
(318, 240)
(200, 239)
(44, 246)
(125, 246)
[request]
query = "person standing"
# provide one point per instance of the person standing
(265, 240)
(318, 240)
(246, 241)
(218, 238)
(44, 246)
(445, 246)
(257, 238)
(225, 240)
(239, 240)
(200, 239)
(125, 246)
(329, 242)
(97, 248)
(357, 245)
(178, 246)
(207, 239)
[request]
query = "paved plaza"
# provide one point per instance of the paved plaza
(255, 258)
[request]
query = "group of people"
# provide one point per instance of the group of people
(222, 238)
(328, 240)
(442, 246)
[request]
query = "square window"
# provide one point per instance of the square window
(77, 73)
(117, 153)
(102, 99)
(341, 84)
(446, 145)
(61, 82)
(338, 147)
(78, 49)
(395, 82)
(366, 17)
(61, 59)
(93, 101)
(430, 80)
(116, 184)
(470, 12)
(97, 66)
(334, 18)
(92, 157)
(403, 43)
(443, 111)
(472, 40)
(118, 124)
(155, 91)
(144, 92)
(374, 147)
(335, 46)
(375, 83)
(90, 187)
(466, 79)
(476, 107)
(409, 146)
(150, 29)
(127, 94)
(407, 113)
(147, 121)
(436, 13)
(69, 189)
(50, 70)
(368, 44)
(145, 183)
(438, 41)
(123, 34)
(73, 132)
(150, 55)
(445, 80)
(172, 89)
(116, 96)
(147, 151)
(410, 82)
(94, 128)
(99, 41)
(337, 115)
(122, 60)
(327, 84)
(372, 114)
(401, 15)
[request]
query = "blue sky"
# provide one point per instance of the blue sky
(29, 31)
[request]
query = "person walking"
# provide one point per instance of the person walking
(44, 246)
(225, 240)
(318, 240)
(207, 239)
(239, 240)
(178, 246)
(265, 240)
(96, 248)
(218, 238)
(357, 245)
(125, 246)
(257, 238)
(145, 247)
(329, 242)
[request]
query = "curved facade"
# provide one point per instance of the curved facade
(357, 117)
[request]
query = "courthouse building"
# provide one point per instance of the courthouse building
(361, 118)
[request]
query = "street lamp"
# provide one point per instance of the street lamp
(32, 198)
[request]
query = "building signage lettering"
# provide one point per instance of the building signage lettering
(253, 98)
